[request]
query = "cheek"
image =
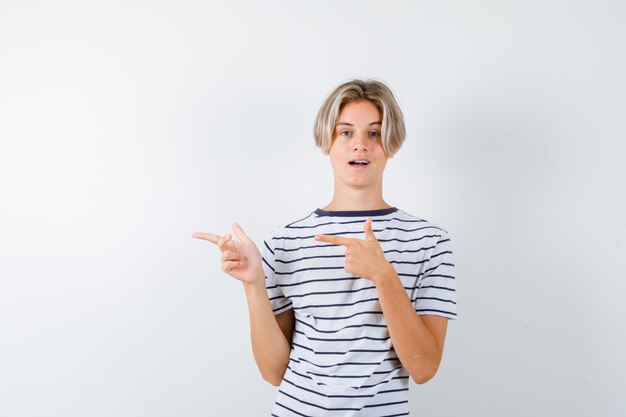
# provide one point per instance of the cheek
(382, 158)
(336, 158)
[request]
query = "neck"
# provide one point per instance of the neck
(353, 199)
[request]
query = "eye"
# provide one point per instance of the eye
(344, 133)
(374, 134)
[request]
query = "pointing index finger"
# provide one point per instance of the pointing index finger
(206, 236)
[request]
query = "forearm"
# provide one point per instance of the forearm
(270, 346)
(415, 346)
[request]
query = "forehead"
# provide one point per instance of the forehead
(359, 112)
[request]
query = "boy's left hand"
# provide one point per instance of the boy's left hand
(364, 258)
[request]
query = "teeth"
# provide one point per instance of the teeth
(360, 161)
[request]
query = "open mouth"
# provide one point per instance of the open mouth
(359, 162)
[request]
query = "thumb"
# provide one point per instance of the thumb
(369, 233)
(240, 233)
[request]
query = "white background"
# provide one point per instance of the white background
(126, 126)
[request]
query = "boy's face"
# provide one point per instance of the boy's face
(356, 153)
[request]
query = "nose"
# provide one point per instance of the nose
(360, 142)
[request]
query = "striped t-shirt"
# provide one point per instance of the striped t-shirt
(342, 362)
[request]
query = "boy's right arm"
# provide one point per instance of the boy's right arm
(270, 334)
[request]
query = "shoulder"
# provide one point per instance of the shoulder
(408, 222)
(293, 229)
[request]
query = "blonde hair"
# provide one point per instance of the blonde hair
(376, 92)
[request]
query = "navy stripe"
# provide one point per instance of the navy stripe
(302, 247)
(332, 292)
(388, 391)
(337, 305)
(356, 376)
(310, 257)
(439, 254)
(432, 310)
(417, 220)
(438, 288)
(270, 266)
(326, 224)
(406, 241)
(354, 326)
(383, 382)
(360, 232)
(395, 378)
(301, 375)
(348, 317)
(268, 248)
(325, 395)
(440, 276)
(353, 222)
(302, 219)
(340, 353)
(346, 232)
(408, 262)
(317, 406)
(414, 230)
(293, 411)
(282, 308)
(295, 284)
(435, 267)
(338, 292)
(410, 275)
(408, 250)
(343, 363)
(354, 278)
(318, 268)
(385, 404)
(434, 298)
(321, 339)
(338, 376)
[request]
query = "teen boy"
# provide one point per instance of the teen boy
(348, 303)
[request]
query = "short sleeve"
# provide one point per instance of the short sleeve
(278, 300)
(436, 290)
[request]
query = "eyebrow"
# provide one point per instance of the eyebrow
(350, 124)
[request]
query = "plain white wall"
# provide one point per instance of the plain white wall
(126, 126)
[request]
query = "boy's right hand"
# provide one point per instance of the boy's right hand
(241, 260)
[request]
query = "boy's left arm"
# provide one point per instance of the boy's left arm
(418, 340)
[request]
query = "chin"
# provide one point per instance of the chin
(360, 184)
